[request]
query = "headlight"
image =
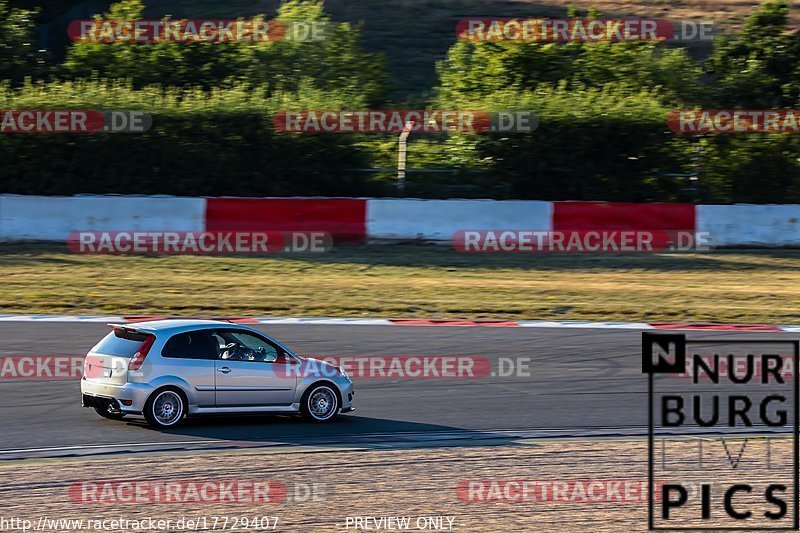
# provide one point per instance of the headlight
(343, 372)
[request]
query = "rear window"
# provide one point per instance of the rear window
(190, 345)
(120, 343)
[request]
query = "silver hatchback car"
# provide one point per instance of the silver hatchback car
(169, 369)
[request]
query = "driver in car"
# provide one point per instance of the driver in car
(235, 351)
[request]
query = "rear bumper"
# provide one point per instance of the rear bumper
(100, 402)
(100, 394)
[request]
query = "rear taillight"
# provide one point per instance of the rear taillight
(141, 353)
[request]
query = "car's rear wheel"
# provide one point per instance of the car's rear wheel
(165, 408)
(320, 403)
(108, 412)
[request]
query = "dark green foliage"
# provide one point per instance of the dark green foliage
(603, 111)
(201, 143)
(18, 54)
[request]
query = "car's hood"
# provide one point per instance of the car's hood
(312, 364)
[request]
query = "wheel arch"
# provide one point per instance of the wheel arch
(327, 382)
(167, 386)
(175, 382)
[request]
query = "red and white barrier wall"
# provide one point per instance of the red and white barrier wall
(50, 218)
(438, 220)
(53, 218)
(751, 225)
(344, 218)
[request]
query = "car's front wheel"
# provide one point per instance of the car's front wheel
(165, 408)
(320, 403)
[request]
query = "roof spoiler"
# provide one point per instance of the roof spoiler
(152, 318)
(125, 328)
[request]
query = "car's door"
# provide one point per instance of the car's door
(191, 356)
(252, 371)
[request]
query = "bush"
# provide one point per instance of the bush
(591, 144)
(218, 142)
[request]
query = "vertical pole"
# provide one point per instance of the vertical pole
(698, 163)
(401, 157)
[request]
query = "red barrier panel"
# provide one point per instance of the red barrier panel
(343, 218)
(622, 216)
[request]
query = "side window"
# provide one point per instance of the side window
(244, 346)
(191, 345)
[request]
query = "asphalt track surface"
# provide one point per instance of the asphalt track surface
(582, 382)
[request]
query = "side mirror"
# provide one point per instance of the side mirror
(285, 359)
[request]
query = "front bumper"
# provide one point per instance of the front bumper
(348, 394)
(95, 394)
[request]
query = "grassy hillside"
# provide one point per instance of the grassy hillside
(413, 34)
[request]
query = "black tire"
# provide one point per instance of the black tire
(320, 392)
(164, 401)
(105, 413)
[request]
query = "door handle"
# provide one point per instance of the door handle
(224, 370)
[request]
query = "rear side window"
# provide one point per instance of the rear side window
(191, 345)
(120, 343)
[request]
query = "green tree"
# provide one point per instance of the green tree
(759, 67)
(485, 67)
(18, 55)
(642, 65)
(167, 64)
(336, 62)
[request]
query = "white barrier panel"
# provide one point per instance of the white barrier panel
(53, 218)
(440, 219)
(750, 225)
